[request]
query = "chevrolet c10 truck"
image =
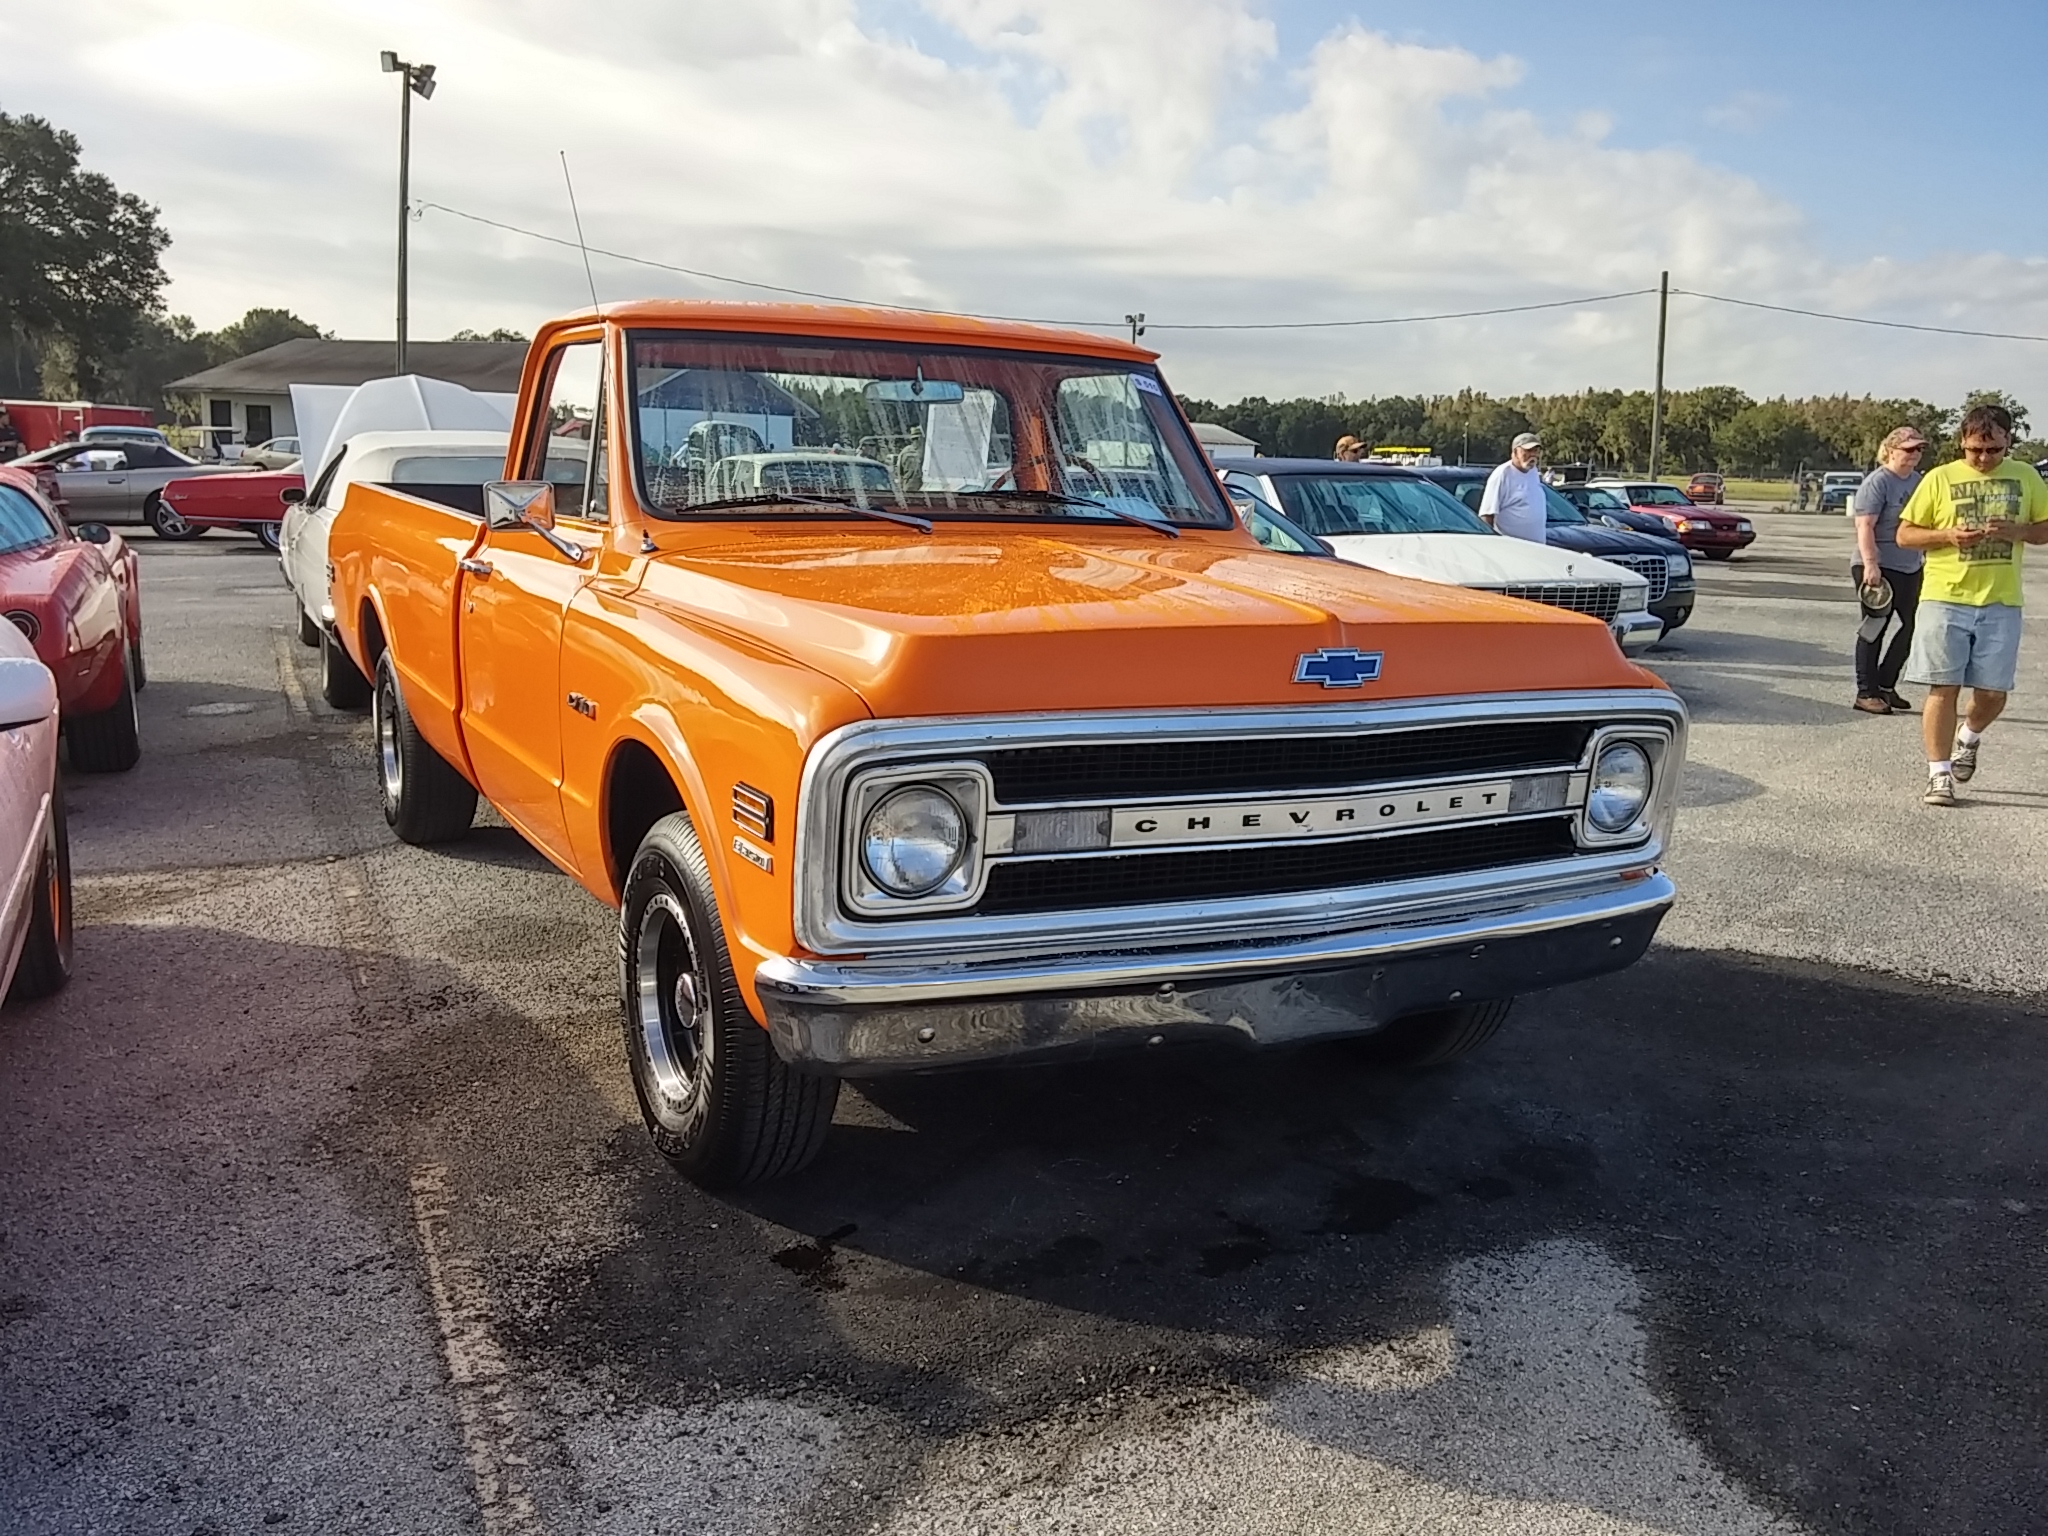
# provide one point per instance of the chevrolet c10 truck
(910, 689)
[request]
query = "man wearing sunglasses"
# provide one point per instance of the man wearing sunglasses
(1972, 518)
(1886, 576)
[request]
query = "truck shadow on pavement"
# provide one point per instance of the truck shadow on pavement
(1825, 1187)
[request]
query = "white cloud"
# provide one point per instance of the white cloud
(1069, 158)
(1745, 111)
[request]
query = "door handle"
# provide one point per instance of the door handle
(474, 567)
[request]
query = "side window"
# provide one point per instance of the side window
(570, 431)
(1472, 492)
(23, 523)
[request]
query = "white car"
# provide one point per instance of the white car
(467, 458)
(1395, 521)
(35, 853)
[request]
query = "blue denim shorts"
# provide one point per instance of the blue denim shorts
(1956, 643)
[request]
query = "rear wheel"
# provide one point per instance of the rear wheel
(46, 952)
(342, 683)
(267, 536)
(1718, 554)
(1443, 1034)
(165, 523)
(425, 799)
(136, 669)
(109, 740)
(719, 1103)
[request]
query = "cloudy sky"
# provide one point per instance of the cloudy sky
(1205, 161)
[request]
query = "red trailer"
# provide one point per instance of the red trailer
(45, 423)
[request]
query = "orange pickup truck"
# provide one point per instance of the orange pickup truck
(910, 687)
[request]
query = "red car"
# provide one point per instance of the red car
(1707, 489)
(253, 502)
(74, 592)
(1707, 530)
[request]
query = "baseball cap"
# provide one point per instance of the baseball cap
(1525, 440)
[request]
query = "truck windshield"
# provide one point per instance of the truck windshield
(723, 421)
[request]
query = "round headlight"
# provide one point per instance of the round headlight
(1620, 788)
(914, 839)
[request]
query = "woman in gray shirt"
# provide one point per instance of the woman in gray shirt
(1875, 510)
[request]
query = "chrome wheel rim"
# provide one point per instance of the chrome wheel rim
(672, 1009)
(168, 522)
(390, 766)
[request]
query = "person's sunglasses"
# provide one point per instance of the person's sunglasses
(1910, 448)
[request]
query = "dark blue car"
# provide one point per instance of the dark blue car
(1660, 561)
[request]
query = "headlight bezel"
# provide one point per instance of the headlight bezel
(970, 789)
(1652, 744)
(1677, 564)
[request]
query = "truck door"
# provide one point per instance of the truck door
(516, 589)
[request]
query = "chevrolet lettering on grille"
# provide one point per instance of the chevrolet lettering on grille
(1323, 816)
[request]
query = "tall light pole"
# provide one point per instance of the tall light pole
(420, 78)
(1657, 400)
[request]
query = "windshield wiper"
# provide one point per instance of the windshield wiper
(921, 524)
(1061, 498)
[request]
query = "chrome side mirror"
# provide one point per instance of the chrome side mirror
(528, 504)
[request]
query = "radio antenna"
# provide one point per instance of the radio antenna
(571, 185)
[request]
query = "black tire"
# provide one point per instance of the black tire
(425, 799)
(137, 669)
(166, 524)
(1444, 1034)
(268, 536)
(342, 684)
(309, 632)
(109, 741)
(46, 953)
(719, 1103)
(1718, 554)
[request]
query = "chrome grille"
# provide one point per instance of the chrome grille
(1602, 601)
(1652, 568)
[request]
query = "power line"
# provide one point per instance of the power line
(1098, 325)
(1246, 325)
(1461, 314)
(1890, 325)
(742, 282)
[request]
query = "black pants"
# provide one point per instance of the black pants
(1875, 676)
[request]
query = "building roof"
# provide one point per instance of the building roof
(488, 366)
(1211, 435)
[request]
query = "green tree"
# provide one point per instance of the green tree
(81, 267)
(1625, 434)
(1770, 438)
(1472, 427)
(500, 334)
(258, 329)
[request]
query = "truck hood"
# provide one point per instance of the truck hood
(1477, 560)
(974, 620)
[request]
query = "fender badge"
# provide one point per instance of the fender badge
(1341, 668)
(760, 858)
(584, 707)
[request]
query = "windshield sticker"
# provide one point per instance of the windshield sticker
(1147, 383)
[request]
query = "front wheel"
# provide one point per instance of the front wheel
(267, 536)
(165, 522)
(1441, 1035)
(719, 1103)
(425, 799)
(1718, 554)
(46, 952)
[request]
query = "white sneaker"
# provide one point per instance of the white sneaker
(1964, 755)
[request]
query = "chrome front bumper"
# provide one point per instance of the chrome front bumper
(866, 1018)
(1634, 631)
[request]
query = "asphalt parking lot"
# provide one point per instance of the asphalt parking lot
(324, 1204)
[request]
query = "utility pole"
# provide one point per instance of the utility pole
(1657, 400)
(1137, 324)
(412, 78)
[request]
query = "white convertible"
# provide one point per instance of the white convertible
(35, 853)
(376, 458)
(1394, 521)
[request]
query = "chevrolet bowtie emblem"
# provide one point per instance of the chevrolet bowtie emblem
(1338, 668)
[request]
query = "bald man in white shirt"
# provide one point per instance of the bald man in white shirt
(1513, 501)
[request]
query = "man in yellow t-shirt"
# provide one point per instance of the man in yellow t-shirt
(1972, 518)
